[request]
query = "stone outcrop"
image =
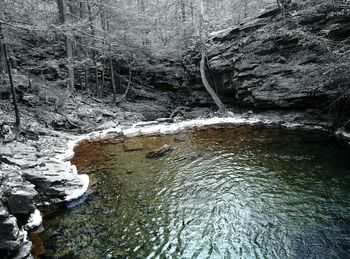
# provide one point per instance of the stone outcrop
(297, 61)
(29, 176)
(17, 198)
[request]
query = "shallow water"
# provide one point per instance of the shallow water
(235, 192)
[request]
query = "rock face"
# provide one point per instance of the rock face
(12, 240)
(29, 176)
(296, 61)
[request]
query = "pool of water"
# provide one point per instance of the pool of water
(234, 192)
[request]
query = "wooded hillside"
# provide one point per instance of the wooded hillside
(82, 43)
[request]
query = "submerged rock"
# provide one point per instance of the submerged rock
(162, 151)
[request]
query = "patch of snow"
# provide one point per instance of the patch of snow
(35, 220)
(145, 123)
(77, 193)
(172, 128)
(23, 234)
(341, 133)
(291, 125)
(69, 153)
(77, 202)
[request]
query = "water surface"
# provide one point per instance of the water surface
(234, 192)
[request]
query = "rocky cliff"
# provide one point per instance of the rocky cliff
(296, 60)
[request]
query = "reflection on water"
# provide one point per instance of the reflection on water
(236, 192)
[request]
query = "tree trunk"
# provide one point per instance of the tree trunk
(206, 84)
(245, 9)
(13, 91)
(91, 23)
(63, 12)
(2, 60)
(102, 79)
(192, 13)
(113, 81)
(83, 10)
(86, 78)
(183, 10)
(184, 31)
(96, 80)
(80, 74)
(70, 65)
(94, 52)
(128, 88)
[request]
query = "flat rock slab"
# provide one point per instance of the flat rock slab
(54, 179)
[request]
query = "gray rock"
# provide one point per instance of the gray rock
(150, 111)
(53, 180)
(8, 231)
(24, 251)
(107, 125)
(3, 212)
(21, 200)
(5, 151)
(9, 245)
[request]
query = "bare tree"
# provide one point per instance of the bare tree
(63, 12)
(13, 91)
(206, 84)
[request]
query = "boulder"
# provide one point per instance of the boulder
(21, 200)
(8, 234)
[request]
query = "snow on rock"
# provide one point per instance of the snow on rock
(34, 221)
(77, 193)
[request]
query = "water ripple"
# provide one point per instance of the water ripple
(221, 194)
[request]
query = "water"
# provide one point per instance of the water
(237, 192)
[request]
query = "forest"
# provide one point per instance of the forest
(97, 40)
